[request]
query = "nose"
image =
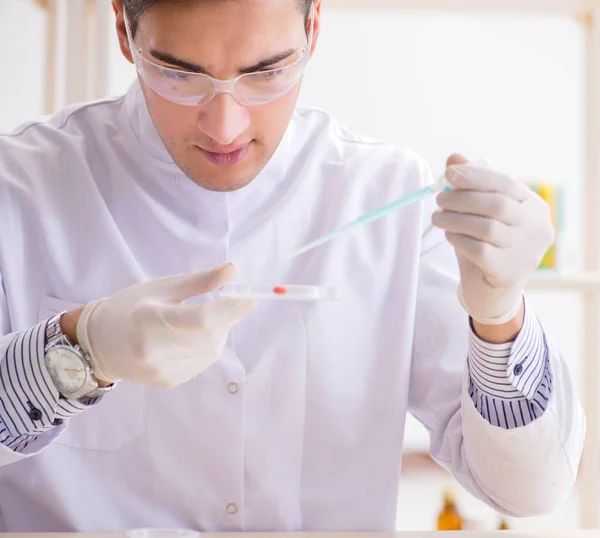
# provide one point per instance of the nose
(223, 119)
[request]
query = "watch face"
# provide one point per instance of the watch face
(66, 368)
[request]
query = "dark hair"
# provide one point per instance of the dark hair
(136, 9)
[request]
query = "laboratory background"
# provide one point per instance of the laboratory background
(513, 81)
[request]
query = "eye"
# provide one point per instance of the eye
(177, 75)
(269, 75)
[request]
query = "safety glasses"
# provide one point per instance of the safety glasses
(194, 89)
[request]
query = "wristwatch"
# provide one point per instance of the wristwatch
(68, 365)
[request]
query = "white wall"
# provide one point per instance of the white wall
(21, 42)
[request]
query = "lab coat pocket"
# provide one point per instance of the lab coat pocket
(114, 422)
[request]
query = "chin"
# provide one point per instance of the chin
(225, 186)
(222, 184)
(224, 180)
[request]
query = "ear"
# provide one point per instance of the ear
(119, 10)
(317, 30)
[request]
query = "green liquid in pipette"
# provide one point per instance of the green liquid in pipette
(370, 217)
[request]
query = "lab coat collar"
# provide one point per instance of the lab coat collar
(142, 124)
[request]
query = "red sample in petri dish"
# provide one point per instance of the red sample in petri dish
(289, 292)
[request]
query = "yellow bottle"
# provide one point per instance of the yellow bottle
(503, 525)
(449, 518)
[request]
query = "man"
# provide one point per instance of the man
(133, 394)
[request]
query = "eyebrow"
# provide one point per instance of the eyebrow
(195, 68)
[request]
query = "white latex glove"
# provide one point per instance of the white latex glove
(146, 334)
(500, 230)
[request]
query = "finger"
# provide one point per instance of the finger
(485, 204)
(456, 159)
(182, 287)
(224, 313)
(491, 231)
(479, 253)
(480, 178)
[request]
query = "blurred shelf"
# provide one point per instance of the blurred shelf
(582, 282)
(496, 6)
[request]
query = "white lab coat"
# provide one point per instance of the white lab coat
(312, 439)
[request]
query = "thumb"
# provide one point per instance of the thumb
(456, 159)
(180, 288)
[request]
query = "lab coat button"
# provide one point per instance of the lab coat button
(231, 508)
(518, 370)
(233, 388)
(34, 413)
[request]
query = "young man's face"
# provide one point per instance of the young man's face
(221, 145)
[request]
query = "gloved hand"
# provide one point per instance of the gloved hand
(500, 230)
(144, 333)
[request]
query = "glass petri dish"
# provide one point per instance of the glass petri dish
(162, 533)
(280, 292)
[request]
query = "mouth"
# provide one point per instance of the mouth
(226, 158)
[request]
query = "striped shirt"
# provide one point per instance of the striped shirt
(29, 402)
(510, 384)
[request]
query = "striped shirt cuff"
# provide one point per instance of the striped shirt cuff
(510, 384)
(69, 408)
(29, 401)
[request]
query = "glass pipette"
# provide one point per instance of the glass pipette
(439, 185)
